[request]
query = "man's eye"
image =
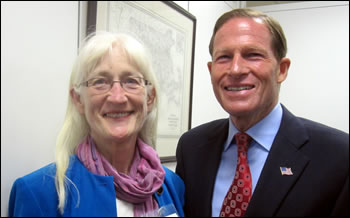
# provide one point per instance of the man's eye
(252, 55)
(223, 58)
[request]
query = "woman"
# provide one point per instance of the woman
(105, 164)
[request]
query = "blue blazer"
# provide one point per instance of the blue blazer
(35, 194)
(318, 156)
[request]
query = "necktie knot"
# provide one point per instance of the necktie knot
(242, 141)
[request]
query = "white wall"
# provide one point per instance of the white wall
(38, 46)
(204, 104)
(317, 86)
(39, 43)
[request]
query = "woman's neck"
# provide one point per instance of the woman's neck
(119, 154)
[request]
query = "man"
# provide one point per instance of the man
(293, 166)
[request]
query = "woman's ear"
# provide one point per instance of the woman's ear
(76, 98)
(150, 99)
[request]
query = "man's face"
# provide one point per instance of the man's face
(245, 74)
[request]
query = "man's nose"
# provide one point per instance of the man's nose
(238, 66)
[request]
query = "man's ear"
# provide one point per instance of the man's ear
(283, 71)
(209, 66)
(150, 99)
(77, 101)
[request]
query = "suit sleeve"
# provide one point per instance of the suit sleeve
(179, 159)
(342, 204)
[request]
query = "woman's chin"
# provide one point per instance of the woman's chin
(121, 134)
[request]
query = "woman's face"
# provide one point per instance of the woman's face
(116, 115)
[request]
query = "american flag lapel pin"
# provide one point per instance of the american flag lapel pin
(285, 171)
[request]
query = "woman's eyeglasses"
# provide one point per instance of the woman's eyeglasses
(102, 85)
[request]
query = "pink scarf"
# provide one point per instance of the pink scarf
(146, 174)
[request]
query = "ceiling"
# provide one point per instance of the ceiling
(261, 3)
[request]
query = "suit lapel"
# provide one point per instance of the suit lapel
(210, 153)
(272, 186)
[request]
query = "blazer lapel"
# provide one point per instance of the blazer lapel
(272, 186)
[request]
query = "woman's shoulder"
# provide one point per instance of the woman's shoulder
(46, 172)
(38, 176)
(173, 191)
(30, 191)
(35, 193)
(169, 173)
(42, 177)
(172, 179)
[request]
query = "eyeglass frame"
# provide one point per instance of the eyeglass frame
(88, 84)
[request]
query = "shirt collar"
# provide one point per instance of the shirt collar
(263, 132)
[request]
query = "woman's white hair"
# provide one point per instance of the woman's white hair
(75, 127)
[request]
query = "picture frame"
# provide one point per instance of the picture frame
(168, 32)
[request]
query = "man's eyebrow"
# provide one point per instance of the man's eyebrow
(244, 48)
(221, 51)
(255, 48)
(260, 50)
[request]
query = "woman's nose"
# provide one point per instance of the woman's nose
(117, 93)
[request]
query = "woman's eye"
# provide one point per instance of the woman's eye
(100, 81)
(131, 81)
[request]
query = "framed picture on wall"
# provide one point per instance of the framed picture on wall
(168, 32)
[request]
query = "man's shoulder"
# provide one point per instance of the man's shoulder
(209, 127)
(316, 129)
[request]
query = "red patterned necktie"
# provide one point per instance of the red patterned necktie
(238, 196)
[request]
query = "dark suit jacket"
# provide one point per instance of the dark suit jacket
(318, 156)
